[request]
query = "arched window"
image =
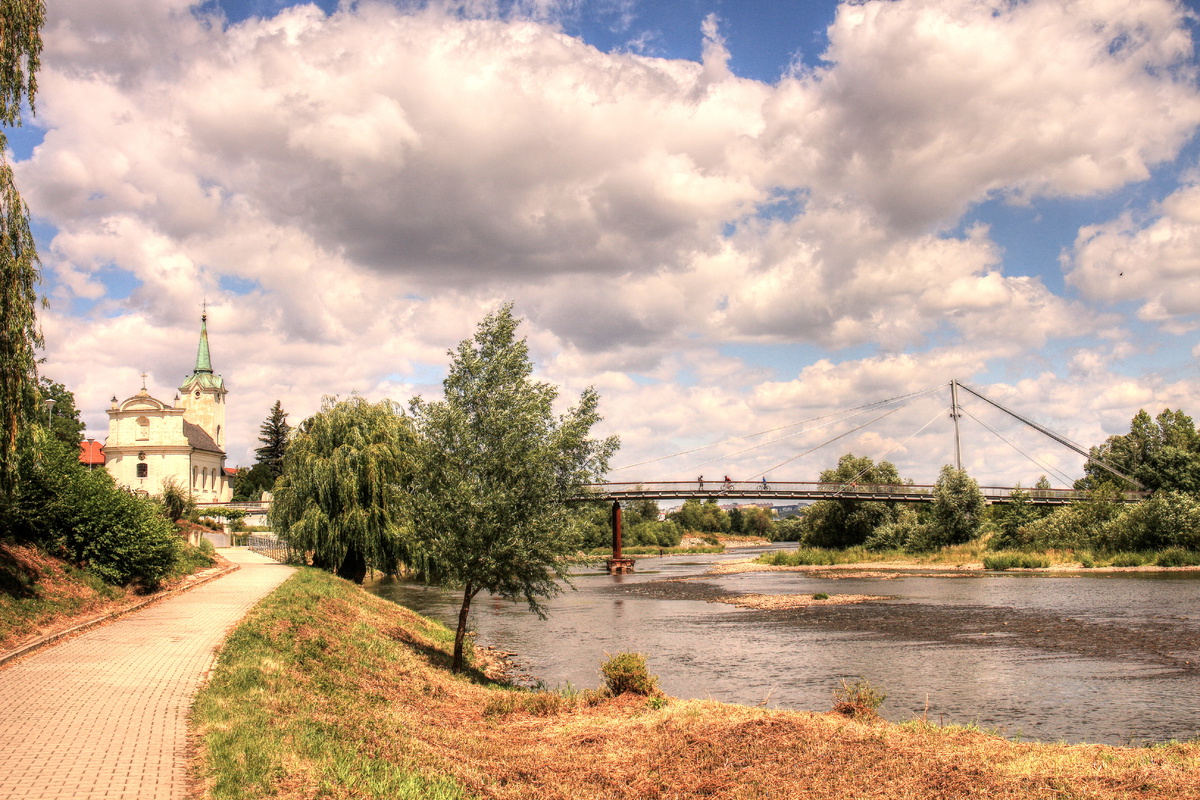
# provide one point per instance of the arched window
(143, 470)
(218, 434)
(195, 475)
(204, 478)
(143, 429)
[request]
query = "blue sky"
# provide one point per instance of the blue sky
(727, 216)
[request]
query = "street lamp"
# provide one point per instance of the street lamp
(49, 410)
(91, 457)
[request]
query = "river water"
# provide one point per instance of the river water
(1086, 657)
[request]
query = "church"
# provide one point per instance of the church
(151, 442)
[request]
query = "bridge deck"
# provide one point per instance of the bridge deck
(803, 490)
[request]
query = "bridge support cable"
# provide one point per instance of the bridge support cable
(1059, 474)
(843, 413)
(854, 480)
(1056, 437)
(844, 435)
(857, 413)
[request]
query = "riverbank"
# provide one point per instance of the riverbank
(325, 690)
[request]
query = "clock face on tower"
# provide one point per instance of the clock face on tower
(197, 394)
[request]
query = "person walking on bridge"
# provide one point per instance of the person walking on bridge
(700, 481)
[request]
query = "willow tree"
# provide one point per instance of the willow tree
(342, 493)
(20, 50)
(489, 501)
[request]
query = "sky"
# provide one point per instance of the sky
(728, 217)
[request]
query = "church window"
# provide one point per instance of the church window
(218, 434)
(143, 470)
(204, 478)
(197, 395)
(195, 474)
(143, 429)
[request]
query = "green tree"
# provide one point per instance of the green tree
(1162, 453)
(490, 503)
(273, 434)
(958, 507)
(702, 516)
(848, 523)
(249, 484)
(342, 492)
(65, 424)
(20, 50)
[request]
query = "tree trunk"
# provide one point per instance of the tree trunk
(459, 635)
(354, 565)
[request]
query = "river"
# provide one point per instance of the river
(1086, 657)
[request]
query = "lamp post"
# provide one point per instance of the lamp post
(49, 410)
(91, 456)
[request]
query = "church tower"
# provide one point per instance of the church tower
(202, 395)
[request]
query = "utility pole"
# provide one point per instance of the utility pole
(955, 414)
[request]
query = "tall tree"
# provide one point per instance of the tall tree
(63, 417)
(846, 523)
(489, 501)
(20, 50)
(342, 492)
(1162, 453)
(958, 507)
(274, 433)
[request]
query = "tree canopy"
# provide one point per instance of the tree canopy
(20, 50)
(65, 424)
(496, 469)
(847, 523)
(1162, 453)
(342, 494)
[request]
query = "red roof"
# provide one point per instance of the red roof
(91, 453)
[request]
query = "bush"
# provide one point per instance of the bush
(858, 700)
(1013, 560)
(1178, 557)
(1127, 560)
(122, 538)
(1169, 519)
(803, 557)
(627, 672)
(820, 596)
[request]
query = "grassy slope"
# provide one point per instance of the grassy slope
(326, 691)
(38, 592)
(41, 594)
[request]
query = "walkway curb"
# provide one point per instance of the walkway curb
(51, 638)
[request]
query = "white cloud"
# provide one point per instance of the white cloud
(373, 181)
(1154, 262)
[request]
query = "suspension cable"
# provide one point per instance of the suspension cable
(932, 419)
(859, 409)
(1057, 472)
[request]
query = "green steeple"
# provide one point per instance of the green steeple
(203, 376)
(203, 361)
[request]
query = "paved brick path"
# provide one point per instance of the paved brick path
(103, 715)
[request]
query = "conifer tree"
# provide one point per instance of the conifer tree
(273, 433)
(20, 50)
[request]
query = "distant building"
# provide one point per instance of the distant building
(91, 453)
(151, 442)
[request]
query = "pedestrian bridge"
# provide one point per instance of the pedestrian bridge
(804, 490)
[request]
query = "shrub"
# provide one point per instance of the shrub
(627, 672)
(1178, 557)
(1169, 519)
(858, 700)
(820, 596)
(1127, 560)
(803, 557)
(1014, 560)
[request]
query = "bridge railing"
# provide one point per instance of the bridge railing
(667, 490)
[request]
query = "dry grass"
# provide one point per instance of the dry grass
(325, 691)
(40, 594)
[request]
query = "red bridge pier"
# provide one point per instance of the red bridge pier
(618, 564)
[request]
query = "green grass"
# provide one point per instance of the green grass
(37, 590)
(279, 702)
(1012, 559)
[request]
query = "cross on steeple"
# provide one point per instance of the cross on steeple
(143, 381)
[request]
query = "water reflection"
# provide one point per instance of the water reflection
(1102, 658)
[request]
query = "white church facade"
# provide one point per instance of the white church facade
(151, 442)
